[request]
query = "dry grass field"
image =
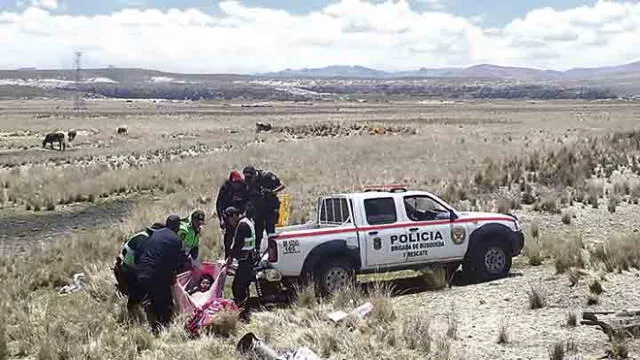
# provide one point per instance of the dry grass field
(570, 170)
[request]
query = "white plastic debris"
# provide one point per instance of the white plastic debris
(78, 284)
(303, 353)
(361, 311)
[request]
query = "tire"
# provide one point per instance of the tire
(488, 260)
(334, 275)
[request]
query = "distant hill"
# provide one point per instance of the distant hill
(478, 81)
(488, 71)
(331, 71)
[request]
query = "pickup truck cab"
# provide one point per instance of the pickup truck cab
(390, 229)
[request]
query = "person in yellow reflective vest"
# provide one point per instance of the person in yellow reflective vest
(243, 249)
(189, 232)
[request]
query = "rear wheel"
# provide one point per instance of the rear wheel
(334, 275)
(488, 260)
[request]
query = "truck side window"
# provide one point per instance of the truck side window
(423, 208)
(334, 211)
(380, 211)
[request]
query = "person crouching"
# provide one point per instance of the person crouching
(159, 264)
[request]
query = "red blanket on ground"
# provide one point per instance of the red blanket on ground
(203, 306)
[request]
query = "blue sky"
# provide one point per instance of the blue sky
(494, 12)
(248, 36)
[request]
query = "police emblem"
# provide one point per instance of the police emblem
(457, 235)
(377, 243)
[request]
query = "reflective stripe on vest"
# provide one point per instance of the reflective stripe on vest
(249, 242)
(127, 254)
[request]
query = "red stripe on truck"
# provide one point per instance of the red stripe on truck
(383, 227)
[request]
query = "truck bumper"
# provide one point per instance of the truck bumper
(517, 243)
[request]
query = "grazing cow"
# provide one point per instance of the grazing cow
(263, 127)
(59, 137)
(72, 135)
(122, 130)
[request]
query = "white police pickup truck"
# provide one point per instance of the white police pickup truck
(389, 229)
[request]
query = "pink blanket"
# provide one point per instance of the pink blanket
(203, 306)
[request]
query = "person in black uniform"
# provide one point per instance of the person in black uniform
(126, 266)
(233, 192)
(242, 249)
(264, 205)
(160, 261)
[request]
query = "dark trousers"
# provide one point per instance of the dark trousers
(128, 284)
(265, 220)
(227, 240)
(160, 307)
(242, 281)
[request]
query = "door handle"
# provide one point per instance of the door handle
(373, 233)
(413, 229)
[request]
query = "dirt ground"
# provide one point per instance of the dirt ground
(178, 153)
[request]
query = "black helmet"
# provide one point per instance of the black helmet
(249, 170)
(197, 215)
(232, 210)
(173, 222)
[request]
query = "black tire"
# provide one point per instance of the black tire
(488, 259)
(333, 275)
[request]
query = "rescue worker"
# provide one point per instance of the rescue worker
(126, 263)
(234, 193)
(264, 205)
(189, 233)
(159, 264)
(242, 249)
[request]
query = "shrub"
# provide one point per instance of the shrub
(536, 299)
(452, 322)
(533, 251)
(528, 198)
(572, 319)
(567, 252)
(592, 300)
(416, 332)
(613, 203)
(566, 218)
(557, 351)
(503, 333)
(535, 230)
(595, 287)
(619, 349)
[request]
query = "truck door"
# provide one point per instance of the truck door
(382, 232)
(428, 235)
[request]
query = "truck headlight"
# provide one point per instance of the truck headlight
(271, 275)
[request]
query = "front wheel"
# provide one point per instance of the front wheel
(334, 275)
(488, 260)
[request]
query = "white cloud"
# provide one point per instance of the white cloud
(387, 35)
(45, 4)
(433, 4)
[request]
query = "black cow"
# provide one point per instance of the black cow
(263, 127)
(59, 137)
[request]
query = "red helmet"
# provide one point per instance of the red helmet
(235, 176)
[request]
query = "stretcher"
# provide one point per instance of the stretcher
(203, 306)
